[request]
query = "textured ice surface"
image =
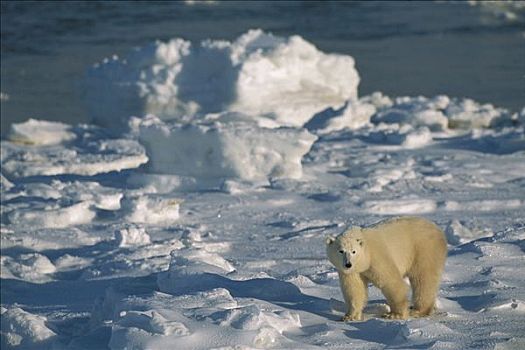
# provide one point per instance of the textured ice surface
(32, 267)
(57, 204)
(55, 216)
(90, 152)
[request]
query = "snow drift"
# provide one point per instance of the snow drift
(223, 148)
(286, 79)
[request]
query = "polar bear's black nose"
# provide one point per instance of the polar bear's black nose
(348, 265)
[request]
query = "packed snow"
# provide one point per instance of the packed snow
(198, 220)
(224, 148)
(41, 132)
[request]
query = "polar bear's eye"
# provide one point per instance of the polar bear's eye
(353, 251)
(342, 251)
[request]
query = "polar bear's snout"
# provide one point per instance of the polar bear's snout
(346, 261)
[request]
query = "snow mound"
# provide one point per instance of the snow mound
(203, 320)
(151, 209)
(40, 132)
(32, 267)
(69, 262)
(5, 184)
(252, 75)
(252, 317)
(92, 153)
(162, 183)
(513, 305)
(115, 305)
(500, 141)
(58, 204)
(441, 113)
(152, 322)
(39, 238)
(195, 270)
(23, 330)
(469, 114)
(381, 178)
(353, 115)
(102, 197)
(53, 216)
(192, 262)
(424, 329)
(411, 121)
(132, 236)
(224, 148)
(76, 191)
(458, 233)
(402, 135)
(415, 111)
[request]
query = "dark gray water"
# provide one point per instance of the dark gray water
(401, 48)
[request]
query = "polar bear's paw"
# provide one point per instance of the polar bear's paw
(415, 313)
(354, 316)
(396, 316)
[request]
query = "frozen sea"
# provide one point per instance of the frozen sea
(170, 170)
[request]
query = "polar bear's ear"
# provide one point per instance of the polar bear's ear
(329, 240)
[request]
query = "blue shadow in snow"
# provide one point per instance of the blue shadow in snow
(278, 292)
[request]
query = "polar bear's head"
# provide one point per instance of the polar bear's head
(348, 251)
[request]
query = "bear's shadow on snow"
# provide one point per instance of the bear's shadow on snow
(474, 303)
(377, 331)
(393, 334)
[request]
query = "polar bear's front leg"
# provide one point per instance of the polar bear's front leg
(355, 293)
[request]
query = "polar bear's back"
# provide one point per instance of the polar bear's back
(416, 227)
(407, 240)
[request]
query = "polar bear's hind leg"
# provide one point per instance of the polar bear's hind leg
(425, 284)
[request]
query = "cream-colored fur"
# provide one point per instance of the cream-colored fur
(384, 254)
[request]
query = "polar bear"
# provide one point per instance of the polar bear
(384, 254)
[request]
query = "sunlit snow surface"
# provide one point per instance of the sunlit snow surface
(203, 227)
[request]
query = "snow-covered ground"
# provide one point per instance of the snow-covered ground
(198, 220)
